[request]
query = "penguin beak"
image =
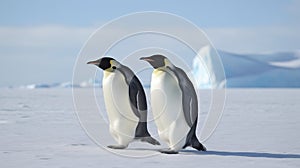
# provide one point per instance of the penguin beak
(148, 59)
(96, 62)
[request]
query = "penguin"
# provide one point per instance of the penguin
(174, 105)
(125, 102)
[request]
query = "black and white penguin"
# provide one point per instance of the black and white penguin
(125, 102)
(174, 105)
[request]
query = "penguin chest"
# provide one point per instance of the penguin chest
(166, 100)
(117, 102)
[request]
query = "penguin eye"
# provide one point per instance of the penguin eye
(114, 67)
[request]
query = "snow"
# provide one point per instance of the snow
(39, 128)
(288, 64)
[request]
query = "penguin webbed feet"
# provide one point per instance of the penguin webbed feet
(204, 148)
(117, 146)
(150, 140)
(168, 151)
(199, 146)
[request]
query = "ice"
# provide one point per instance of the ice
(270, 70)
(208, 69)
(259, 128)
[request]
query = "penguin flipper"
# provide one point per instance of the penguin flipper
(189, 96)
(138, 105)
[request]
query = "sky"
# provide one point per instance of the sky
(39, 40)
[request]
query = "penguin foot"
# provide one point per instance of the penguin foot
(199, 147)
(117, 146)
(150, 140)
(204, 148)
(168, 151)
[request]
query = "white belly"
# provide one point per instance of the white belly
(166, 103)
(122, 120)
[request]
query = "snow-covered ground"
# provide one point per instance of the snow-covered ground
(259, 128)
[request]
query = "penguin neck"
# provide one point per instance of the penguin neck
(165, 69)
(168, 64)
(107, 74)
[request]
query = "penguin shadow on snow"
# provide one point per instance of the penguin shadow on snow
(241, 154)
(225, 153)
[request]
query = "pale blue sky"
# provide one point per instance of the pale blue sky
(209, 13)
(39, 40)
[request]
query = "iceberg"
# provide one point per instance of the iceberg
(208, 69)
(273, 70)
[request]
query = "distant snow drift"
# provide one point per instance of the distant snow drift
(241, 71)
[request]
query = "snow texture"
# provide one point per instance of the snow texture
(259, 128)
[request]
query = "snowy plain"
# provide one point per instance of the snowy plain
(259, 128)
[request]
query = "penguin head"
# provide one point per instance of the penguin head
(157, 61)
(106, 63)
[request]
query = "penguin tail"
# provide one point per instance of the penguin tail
(150, 140)
(192, 140)
(197, 145)
(141, 133)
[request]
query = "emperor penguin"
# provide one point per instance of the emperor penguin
(174, 105)
(125, 102)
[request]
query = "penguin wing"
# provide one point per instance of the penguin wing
(138, 99)
(137, 95)
(138, 104)
(189, 96)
